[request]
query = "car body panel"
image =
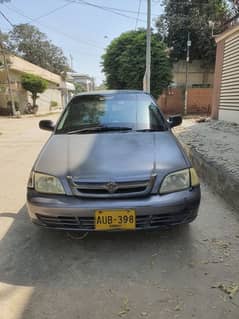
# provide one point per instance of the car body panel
(181, 206)
(111, 155)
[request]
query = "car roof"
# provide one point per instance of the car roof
(106, 92)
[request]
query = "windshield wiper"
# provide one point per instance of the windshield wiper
(100, 129)
(150, 130)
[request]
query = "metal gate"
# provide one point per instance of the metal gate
(229, 94)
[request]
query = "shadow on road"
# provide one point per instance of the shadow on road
(60, 268)
(30, 255)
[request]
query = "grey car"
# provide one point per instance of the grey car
(112, 163)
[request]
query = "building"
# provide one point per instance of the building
(58, 92)
(226, 81)
(85, 80)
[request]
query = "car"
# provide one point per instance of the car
(112, 163)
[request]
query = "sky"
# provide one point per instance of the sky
(82, 31)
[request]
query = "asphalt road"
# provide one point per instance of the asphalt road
(184, 272)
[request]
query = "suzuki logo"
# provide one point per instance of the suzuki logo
(111, 187)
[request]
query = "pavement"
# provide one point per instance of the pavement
(185, 272)
(213, 147)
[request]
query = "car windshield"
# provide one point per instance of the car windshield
(116, 111)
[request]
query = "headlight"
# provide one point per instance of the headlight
(179, 180)
(194, 177)
(47, 184)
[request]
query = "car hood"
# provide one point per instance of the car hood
(111, 155)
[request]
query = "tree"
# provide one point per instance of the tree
(181, 17)
(34, 84)
(31, 44)
(124, 62)
(79, 88)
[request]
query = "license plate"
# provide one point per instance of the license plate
(115, 219)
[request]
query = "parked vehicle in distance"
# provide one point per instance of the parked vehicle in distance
(112, 163)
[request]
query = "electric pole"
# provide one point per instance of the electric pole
(71, 63)
(189, 43)
(5, 62)
(146, 81)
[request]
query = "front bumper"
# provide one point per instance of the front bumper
(73, 213)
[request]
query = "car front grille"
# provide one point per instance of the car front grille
(109, 189)
(142, 221)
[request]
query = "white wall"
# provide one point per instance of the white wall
(229, 115)
(45, 98)
(196, 73)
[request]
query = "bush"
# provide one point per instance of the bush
(53, 104)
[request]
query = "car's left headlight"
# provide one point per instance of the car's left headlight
(44, 183)
(179, 180)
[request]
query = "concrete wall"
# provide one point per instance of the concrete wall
(196, 74)
(19, 94)
(51, 94)
(172, 101)
(199, 101)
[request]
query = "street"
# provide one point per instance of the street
(185, 272)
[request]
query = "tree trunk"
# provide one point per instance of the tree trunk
(34, 98)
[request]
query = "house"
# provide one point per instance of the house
(85, 80)
(58, 92)
(226, 80)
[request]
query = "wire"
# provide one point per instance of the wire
(138, 13)
(116, 9)
(79, 41)
(52, 11)
(107, 9)
(6, 18)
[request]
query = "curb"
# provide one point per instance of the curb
(216, 176)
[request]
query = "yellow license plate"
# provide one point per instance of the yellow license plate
(114, 219)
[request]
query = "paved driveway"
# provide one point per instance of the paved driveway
(180, 273)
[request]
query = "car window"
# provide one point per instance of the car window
(137, 111)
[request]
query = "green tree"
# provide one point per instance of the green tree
(124, 62)
(79, 88)
(31, 44)
(33, 84)
(181, 17)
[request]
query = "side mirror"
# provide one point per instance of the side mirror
(175, 120)
(47, 125)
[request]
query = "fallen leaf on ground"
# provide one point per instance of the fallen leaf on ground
(234, 290)
(122, 313)
(144, 314)
(177, 308)
(230, 290)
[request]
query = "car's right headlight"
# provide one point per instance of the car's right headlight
(44, 183)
